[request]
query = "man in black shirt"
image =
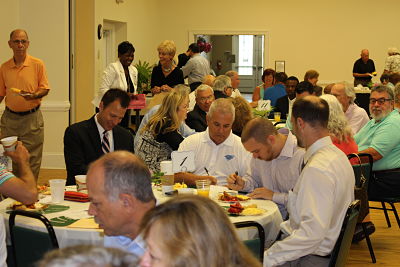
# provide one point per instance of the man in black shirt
(196, 119)
(363, 69)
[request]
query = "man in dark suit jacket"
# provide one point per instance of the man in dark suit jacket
(83, 141)
(196, 119)
(282, 104)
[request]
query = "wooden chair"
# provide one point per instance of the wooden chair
(29, 246)
(364, 169)
(342, 247)
(254, 245)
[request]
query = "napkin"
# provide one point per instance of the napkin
(87, 223)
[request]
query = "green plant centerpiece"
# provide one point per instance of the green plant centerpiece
(144, 75)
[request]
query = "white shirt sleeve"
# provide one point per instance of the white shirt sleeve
(109, 75)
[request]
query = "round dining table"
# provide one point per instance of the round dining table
(89, 233)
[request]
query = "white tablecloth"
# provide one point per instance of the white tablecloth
(270, 220)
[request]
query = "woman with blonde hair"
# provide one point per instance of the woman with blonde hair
(338, 126)
(161, 135)
(165, 75)
(192, 231)
(243, 114)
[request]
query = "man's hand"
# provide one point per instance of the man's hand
(235, 182)
(262, 192)
(20, 155)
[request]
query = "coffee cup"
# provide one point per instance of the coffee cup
(9, 143)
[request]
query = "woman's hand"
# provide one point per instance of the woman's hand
(156, 90)
(166, 88)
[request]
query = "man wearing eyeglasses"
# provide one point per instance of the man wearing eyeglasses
(23, 84)
(380, 137)
(196, 119)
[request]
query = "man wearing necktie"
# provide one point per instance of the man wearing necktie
(86, 141)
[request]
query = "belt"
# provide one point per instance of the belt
(23, 113)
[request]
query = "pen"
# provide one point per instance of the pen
(206, 171)
(183, 161)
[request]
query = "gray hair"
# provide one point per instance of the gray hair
(393, 51)
(221, 82)
(203, 87)
(88, 255)
(126, 173)
(349, 91)
(397, 93)
(338, 126)
(231, 73)
(383, 88)
(222, 105)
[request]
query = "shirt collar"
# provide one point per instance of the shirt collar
(26, 63)
(99, 127)
(390, 114)
(290, 144)
(320, 143)
(228, 141)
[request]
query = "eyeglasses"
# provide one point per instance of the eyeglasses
(204, 99)
(380, 101)
(20, 41)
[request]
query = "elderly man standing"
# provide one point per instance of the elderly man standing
(380, 137)
(235, 81)
(218, 152)
(222, 87)
(23, 82)
(196, 119)
(196, 68)
(356, 116)
(363, 69)
(318, 203)
(119, 186)
(275, 166)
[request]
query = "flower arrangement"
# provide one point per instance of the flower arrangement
(203, 45)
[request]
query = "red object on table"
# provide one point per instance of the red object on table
(76, 196)
(137, 101)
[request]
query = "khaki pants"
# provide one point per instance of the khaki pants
(30, 130)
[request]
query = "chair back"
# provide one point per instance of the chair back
(256, 245)
(342, 247)
(29, 246)
(364, 167)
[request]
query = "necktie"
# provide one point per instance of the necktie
(105, 144)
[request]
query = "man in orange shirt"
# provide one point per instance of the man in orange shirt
(23, 83)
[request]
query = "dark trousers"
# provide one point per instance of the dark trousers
(384, 183)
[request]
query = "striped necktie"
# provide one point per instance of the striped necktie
(105, 144)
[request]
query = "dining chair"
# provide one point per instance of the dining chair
(363, 170)
(256, 245)
(342, 247)
(29, 246)
(391, 201)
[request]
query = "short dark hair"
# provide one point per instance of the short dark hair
(304, 86)
(293, 78)
(280, 77)
(126, 173)
(194, 48)
(318, 90)
(259, 129)
(384, 77)
(313, 110)
(116, 94)
(125, 47)
(394, 78)
(267, 72)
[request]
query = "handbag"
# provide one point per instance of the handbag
(361, 192)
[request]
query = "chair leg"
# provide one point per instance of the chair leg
(395, 213)
(386, 214)
(371, 250)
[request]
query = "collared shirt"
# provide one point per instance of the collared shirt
(317, 205)
(136, 246)
(196, 68)
(384, 137)
(30, 77)
(220, 160)
(183, 128)
(235, 92)
(357, 117)
(274, 92)
(101, 131)
(280, 174)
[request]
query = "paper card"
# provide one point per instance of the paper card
(137, 101)
(183, 161)
(87, 223)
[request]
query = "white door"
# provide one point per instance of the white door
(249, 51)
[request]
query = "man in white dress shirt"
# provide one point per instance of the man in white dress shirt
(275, 166)
(119, 186)
(319, 201)
(356, 116)
(218, 152)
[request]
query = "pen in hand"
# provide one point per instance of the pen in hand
(206, 171)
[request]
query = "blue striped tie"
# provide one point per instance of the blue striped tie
(105, 144)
